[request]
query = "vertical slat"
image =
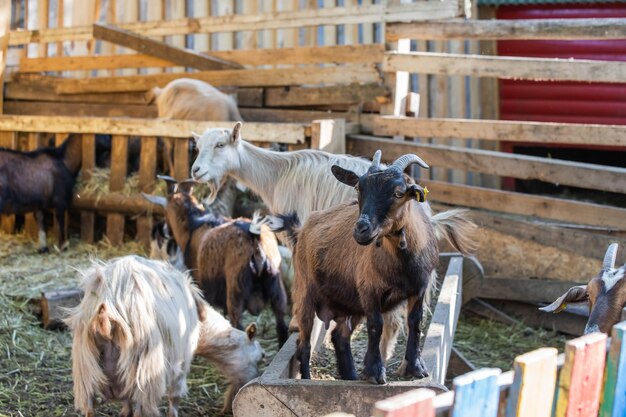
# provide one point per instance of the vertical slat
(119, 156)
(107, 47)
(533, 386)
(225, 41)
(476, 394)
(330, 31)
(440, 105)
(43, 11)
(457, 107)
(202, 41)
(351, 32)
(88, 218)
(130, 13)
(289, 36)
(30, 223)
(155, 12)
(367, 28)
(60, 23)
(5, 30)
(249, 38)
(59, 138)
(424, 85)
(475, 109)
(614, 392)
(83, 13)
(310, 32)
(181, 159)
(580, 381)
(147, 172)
(8, 140)
(329, 135)
(417, 403)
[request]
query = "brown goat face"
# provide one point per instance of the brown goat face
(381, 196)
(605, 294)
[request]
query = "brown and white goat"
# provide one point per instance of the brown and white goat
(135, 333)
(605, 293)
(342, 276)
(236, 263)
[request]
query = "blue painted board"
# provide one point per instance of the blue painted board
(477, 393)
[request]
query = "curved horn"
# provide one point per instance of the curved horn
(376, 159)
(408, 159)
(609, 257)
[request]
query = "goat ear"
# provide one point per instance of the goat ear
(576, 294)
(345, 176)
(251, 331)
(234, 137)
(417, 192)
(196, 137)
(185, 186)
(155, 199)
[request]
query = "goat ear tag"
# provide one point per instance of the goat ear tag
(421, 197)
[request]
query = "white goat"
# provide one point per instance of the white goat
(135, 333)
(288, 182)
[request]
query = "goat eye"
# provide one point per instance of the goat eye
(219, 145)
(356, 188)
(398, 194)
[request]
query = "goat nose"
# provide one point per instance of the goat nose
(362, 227)
(195, 170)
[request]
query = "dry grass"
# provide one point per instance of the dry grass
(35, 364)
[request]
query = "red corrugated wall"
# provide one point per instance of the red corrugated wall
(571, 102)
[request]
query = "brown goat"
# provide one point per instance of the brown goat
(344, 278)
(236, 263)
(605, 294)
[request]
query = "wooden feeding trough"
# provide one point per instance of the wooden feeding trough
(279, 392)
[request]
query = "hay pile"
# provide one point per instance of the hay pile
(35, 364)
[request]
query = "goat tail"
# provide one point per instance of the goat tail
(257, 223)
(456, 228)
(288, 223)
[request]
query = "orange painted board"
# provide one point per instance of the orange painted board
(414, 403)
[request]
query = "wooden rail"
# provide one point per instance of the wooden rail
(548, 69)
(522, 29)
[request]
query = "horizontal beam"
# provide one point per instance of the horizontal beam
(77, 109)
(421, 10)
(239, 78)
(256, 132)
(180, 56)
(557, 29)
(517, 131)
(556, 171)
(525, 289)
(530, 205)
(311, 96)
(548, 69)
(362, 54)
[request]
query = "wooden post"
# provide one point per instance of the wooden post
(53, 305)
(477, 394)
(88, 218)
(5, 32)
(181, 159)
(119, 156)
(59, 138)
(613, 398)
(43, 11)
(8, 140)
(130, 13)
(532, 391)
(329, 135)
(147, 172)
(177, 11)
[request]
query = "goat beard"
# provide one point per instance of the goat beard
(214, 189)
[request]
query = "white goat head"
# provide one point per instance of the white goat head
(605, 293)
(217, 157)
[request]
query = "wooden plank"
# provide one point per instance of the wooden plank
(580, 381)
(504, 67)
(147, 175)
(115, 203)
(496, 130)
(586, 242)
(130, 13)
(310, 96)
(440, 335)
(555, 171)
(54, 305)
(88, 219)
(360, 54)
(5, 26)
(79, 109)
(329, 135)
(614, 392)
(413, 403)
(239, 78)
(372, 13)
(226, 40)
(477, 394)
(522, 29)
(43, 11)
(31, 92)
(532, 391)
(530, 205)
(252, 131)
(119, 157)
(180, 56)
(525, 289)
(181, 159)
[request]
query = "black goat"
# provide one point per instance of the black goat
(40, 180)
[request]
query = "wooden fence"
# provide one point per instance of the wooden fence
(589, 379)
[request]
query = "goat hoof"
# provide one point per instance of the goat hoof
(43, 250)
(417, 370)
(377, 375)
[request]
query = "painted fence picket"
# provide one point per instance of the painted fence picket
(614, 393)
(477, 393)
(416, 403)
(532, 392)
(580, 381)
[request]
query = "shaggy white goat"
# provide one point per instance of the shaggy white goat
(135, 333)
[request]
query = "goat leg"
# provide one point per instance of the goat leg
(234, 303)
(279, 307)
(41, 225)
(60, 216)
(413, 364)
(374, 370)
(340, 337)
